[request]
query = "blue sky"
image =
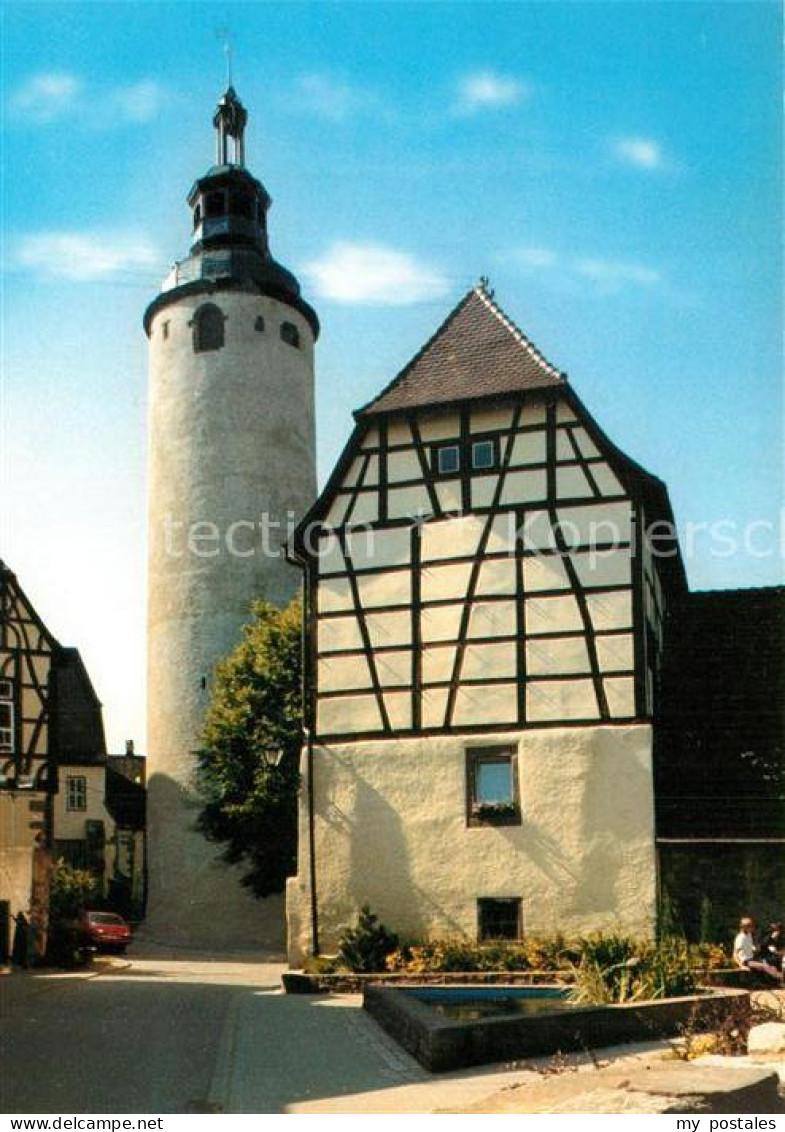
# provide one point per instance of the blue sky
(614, 168)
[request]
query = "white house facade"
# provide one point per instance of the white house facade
(486, 584)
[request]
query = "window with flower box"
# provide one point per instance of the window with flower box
(492, 786)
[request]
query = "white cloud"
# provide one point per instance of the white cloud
(373, 274)
(486, 90)
(139, 102)
(50, 97)
(86, 256)
(641, 153)
(330, 97)
(615, 273)
(533, 257)
(46, 97)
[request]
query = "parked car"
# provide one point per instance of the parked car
(105, 931)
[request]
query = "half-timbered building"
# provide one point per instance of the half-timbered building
(487, 579)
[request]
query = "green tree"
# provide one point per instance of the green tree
(249, 801)
(71, 890)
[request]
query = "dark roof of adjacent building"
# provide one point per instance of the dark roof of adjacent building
(126, 797)
(77, 720)
(477, 352)
(719, 745)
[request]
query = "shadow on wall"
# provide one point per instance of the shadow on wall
(193, 897)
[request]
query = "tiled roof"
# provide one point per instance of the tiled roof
(719, 747)
(476, 352)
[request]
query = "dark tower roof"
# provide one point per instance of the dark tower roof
(230, 248)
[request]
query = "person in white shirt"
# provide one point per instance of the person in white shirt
(744, 951)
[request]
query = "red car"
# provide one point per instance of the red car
(105, 930)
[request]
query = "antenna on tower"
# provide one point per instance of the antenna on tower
(225, 35)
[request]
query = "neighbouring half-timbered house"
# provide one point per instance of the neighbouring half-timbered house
(487, 579)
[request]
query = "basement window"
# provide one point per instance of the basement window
(447, 459)
(492, 786)
(499, 918)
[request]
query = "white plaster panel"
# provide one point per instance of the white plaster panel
(335, 633)
(339, 673)
(615, 654)
(552, 614)
(330, 553)
(372, 472)
(490, 419)
(496, 577)
(347, 714)
(529, 448)
(398, 432)
(456, 537)
(606, 480)
(564, 449)
(571, 483)
(533, 413)
(404, 465)
(366, 508)
(438, 662)
(565, 656)
(439, 426)
(380, 547)
(604, 568)
(536, 531)
(494, 660)
(434, 706)
(392, 588)
(385, 629)
(564, 412)
(620, 693)
(399, 709)
(610, 610)
(546, 572)
(524, 487)
(353, 473)
(483, 490)
(586, 445)
(408, 502)
(494, 703)
(440, 622)
(371, 438)
(394, 668)
(334, 594)
(445, 581)
(492, 619)
(336, 512)
(598, 523)
(448, 492)
(560, 700)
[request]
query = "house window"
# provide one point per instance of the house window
(290, 334)
(208, 328)
(483, 455)
(6, 715)
(499, 918)
(492, 786)
(447, 459)
(76, 792)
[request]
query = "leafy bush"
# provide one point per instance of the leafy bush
(71, 891)
(366, 946)
(461, 955)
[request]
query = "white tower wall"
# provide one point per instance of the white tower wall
(231, 448)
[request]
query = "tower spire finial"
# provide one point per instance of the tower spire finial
(229, 120)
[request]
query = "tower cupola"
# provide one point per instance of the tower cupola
(229, 240)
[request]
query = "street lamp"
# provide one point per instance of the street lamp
(271, 756)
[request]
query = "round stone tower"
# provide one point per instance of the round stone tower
(232, 467)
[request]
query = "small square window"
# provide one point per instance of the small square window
(483, 454)
(448, 459)
(492, 786)
(499, 918)
(76, 792)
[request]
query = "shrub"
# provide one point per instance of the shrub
(71, 891)
(616, 969)
(367, 946)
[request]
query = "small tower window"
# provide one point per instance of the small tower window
(290, 334)
(197, 216)
(208, 327)
(242, 204)
(165, 329)
(215, 204)
(259, 323)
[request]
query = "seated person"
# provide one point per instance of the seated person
(744, 951)
(772, 948)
